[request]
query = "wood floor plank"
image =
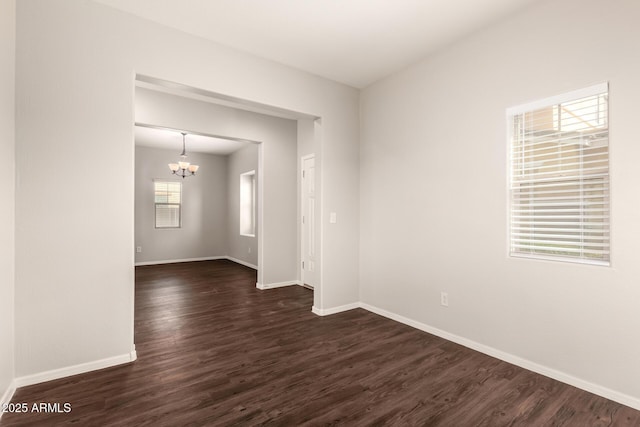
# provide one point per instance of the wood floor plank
(215, 351)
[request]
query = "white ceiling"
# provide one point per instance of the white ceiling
(355, 42)
(172, 140)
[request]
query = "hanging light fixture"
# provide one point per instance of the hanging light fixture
(183, 168)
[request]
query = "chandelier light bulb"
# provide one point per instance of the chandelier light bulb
(183, 165)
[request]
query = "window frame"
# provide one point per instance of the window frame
(167, 204)
(513, 192)
(251, 230)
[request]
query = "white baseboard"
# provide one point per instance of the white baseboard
(263, 287)
(209, 258)
(74, 370)
(7, 396)
(510, 358)
(334, 310)
(174, 261)
(239, 261)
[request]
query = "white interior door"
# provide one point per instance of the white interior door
(309, 274)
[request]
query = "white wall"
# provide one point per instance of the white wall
(7, 154)
(76, 62)
(434, 195)
(203, 233)
(306, 138)
(243, 248)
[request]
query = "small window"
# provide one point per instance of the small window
(559, 204)
(168, 201)
(248, 204)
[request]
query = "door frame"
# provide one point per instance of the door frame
(302, 224)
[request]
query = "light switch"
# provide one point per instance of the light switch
(333, 218)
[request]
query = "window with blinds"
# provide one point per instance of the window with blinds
(248, 204)
(559, 186)
(168, 202)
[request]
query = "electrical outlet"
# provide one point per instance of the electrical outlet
(444, 299)
(249, 249)
(139, 249)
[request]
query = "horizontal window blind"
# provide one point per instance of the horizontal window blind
(167, 191)
(168, 200)
(559, 207)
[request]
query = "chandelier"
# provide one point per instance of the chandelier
(183, 168)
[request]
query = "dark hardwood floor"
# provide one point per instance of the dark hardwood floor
(214, 350)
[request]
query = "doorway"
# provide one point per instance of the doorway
(278, 201)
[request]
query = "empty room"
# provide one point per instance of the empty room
(303, 212)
